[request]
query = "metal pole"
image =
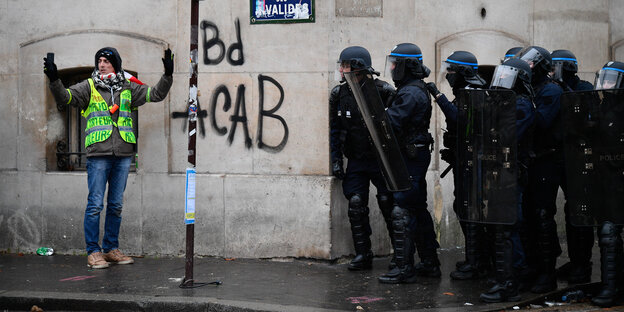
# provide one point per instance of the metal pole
(192, 119)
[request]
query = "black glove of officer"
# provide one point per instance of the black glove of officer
(448, 155)
(168, 62)
(337, 169)
(49, 69)
(433, 89)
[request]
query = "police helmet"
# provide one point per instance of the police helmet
(405, 60)
(513, 74)
(511, 53)
(465, 64)
(356, 58)
(565, 59)
(539, 59)
(611, 76)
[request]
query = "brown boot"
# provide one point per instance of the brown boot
(96, 261)
(116, 256)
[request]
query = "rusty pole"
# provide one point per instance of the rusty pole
(192, 135)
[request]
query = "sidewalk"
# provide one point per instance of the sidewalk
(62, 282)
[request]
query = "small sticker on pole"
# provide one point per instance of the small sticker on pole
(189, 206)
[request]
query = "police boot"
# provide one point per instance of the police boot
(404, 272)
(472, 267)
(460, 263)
(506, 287)
(426, 245)
(546, 279)
(580, 242)
(609, 241)
(429, 267)
(360, 230)
(385, 202)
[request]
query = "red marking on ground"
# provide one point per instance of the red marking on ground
(77, 278)
(363, 299)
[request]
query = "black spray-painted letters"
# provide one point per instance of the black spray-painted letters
(240, 114)
(216, 41)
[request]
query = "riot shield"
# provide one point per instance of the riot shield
(593, 136)
(373, 112)
(487, 156)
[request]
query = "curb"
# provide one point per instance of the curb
(23, 301)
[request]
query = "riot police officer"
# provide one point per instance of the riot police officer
(610, 77)
(410, 114)
(349, 137)
(580, 238)
(461, 71)
(565, 67)
(546, 171)
(513, 74)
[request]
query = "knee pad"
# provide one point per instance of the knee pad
(542, 214)
(356, 200)
(400, 219)
(608, 234)
(357, 207)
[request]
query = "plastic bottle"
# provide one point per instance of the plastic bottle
(45, 251)
(574, 295)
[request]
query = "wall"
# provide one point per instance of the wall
(264, 188)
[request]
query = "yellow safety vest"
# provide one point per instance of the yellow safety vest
(99, 121)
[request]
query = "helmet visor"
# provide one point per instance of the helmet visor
(394, 67)
(609, 78)
(557, 72)
(530, 55)
(445, 68)
(504, 77)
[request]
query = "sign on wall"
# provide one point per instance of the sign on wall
(281, 11)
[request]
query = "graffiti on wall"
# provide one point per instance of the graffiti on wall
(216, 41)
(201, 115)
(238, 117)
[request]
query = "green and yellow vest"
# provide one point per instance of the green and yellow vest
(99, 121)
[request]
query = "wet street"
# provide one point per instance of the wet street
(150, 284)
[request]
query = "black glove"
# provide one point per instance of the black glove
(337, 170)
(448, 155)
(49, 68)
(433, 89)
(168, 62)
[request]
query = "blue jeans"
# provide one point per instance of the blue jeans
(100, 171)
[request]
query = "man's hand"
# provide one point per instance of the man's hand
(433, 89)
(168, 62)
(49, 69)
(337, 169)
